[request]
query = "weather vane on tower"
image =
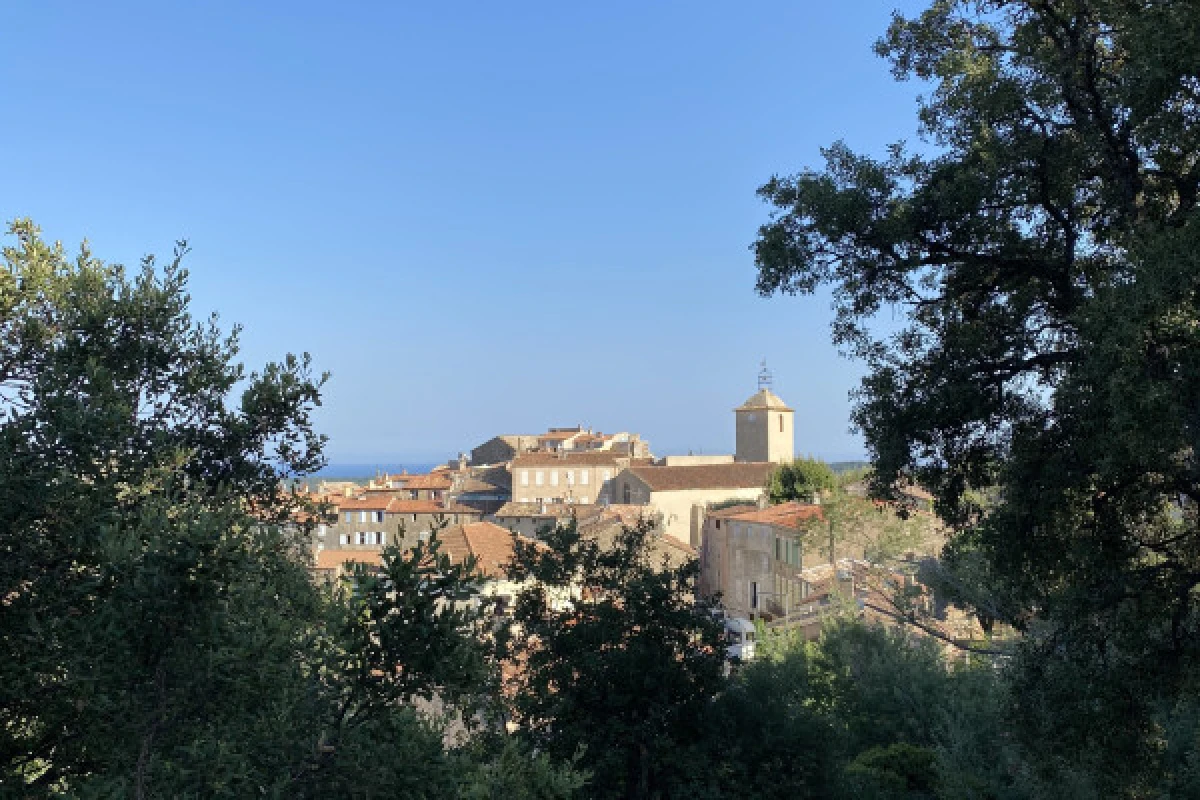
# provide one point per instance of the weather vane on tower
(765, 379)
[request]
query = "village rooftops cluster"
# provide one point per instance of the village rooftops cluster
(525, 482)
(753, 555)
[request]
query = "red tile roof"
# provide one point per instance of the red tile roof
(333, 559)
(398, 506)
(367, 503)
(731, 511)
(548, 510)
(491, 545)
(785, 515)
(425, 481)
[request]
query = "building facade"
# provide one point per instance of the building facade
(765, 429)
(681, 494)
(374, 521)
(566, 477)
(754, 558)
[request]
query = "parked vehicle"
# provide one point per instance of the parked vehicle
(739, 634)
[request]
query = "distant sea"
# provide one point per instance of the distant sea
(346, 471)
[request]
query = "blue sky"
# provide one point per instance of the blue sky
(480, 217)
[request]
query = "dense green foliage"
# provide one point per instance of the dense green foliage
(162, 634)
(625, 684)
(623, 676)
(803, 480)
(1045, 259)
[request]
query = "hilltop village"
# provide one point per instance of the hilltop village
(708, 507)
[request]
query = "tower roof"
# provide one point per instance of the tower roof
(764, 398)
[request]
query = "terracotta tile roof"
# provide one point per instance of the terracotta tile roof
(630, 514)
(785, 515)
(491, 545)
(373, 502)
(398, 506)
(425, 481)
(744, 475)
(548, 510)
(333, 559)
(570, 458)
(605, 530)
(731, 511)
(476, 485)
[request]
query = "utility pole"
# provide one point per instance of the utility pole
(832, 556)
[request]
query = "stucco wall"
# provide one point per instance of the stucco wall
(739, 554)
(329, 534)
(676, 508)
(579, 483)
(765, 435)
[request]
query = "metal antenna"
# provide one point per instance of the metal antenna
(765, 379)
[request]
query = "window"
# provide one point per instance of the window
(718, 521)
(539, 478)
(554, 477)
(781, 423)
(360, 537)
(344, 538)
(380, 538)
(379, 516)
(754, 594)
(570, 478)
(584, 474)
(524, 477)
(414, 517)
(362, 516)
(608, 474)
(627, 499)
(349, 516)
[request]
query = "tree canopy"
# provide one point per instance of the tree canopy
(163, 635)
(621, 677)
(1044, 256)
(804, 479)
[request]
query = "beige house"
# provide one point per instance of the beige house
(530, 519)
(682, 493)
(754, 557)
(375, 520)
(566, 477)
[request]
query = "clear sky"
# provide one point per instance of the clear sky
(481, 217)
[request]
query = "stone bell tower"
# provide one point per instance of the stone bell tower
(765, 429)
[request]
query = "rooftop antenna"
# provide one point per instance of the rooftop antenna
(765, 379)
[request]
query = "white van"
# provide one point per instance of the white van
(739, 634)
